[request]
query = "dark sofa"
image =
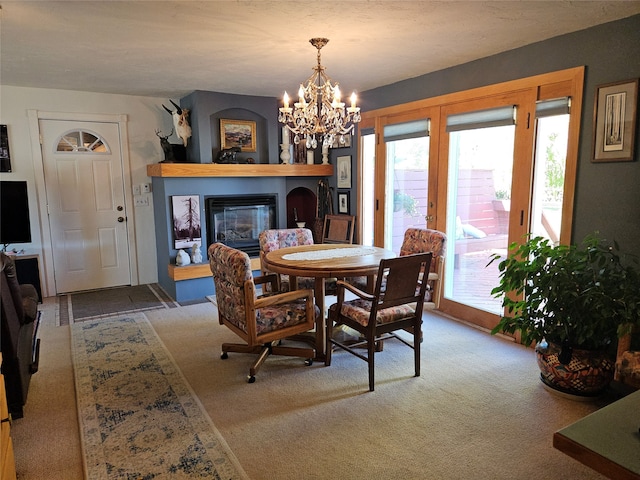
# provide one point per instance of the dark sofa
(19, 345)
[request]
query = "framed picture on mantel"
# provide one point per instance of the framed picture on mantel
(238, 133)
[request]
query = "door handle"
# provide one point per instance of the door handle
(121, 219)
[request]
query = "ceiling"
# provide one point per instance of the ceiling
(261, 47)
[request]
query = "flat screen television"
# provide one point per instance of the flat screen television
(15, 226)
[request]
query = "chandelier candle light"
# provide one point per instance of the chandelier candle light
(319, 111)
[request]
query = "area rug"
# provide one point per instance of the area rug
(138, 417)
(77, 307)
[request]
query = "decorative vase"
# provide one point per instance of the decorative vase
(285, 155)
(574, 371)
(325, 154)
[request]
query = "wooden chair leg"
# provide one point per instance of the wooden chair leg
(371, 353)
(417, 340)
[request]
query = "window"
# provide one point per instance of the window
(81, 141)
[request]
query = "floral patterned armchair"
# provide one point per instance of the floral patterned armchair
(421, 240)
(261, 322)
(275, 239)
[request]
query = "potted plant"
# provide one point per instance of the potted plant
(573, 301)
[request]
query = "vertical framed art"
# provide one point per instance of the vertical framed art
(343, 203)
(614, 121)
(343, 169)
(185, 211)
(5, 156)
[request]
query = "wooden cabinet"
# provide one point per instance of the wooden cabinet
(7, 460)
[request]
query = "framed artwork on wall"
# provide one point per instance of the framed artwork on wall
(343, 202)
(187, 229)
(5, 156)
(614, 121)
(238, 133)
(345, 144)
(343, 170)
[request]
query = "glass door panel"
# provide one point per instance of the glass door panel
(367, 187)
(478, 206)
(549, 176)
(406, 188)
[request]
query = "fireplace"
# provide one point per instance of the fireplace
(237, 220)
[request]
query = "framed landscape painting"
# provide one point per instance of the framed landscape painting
(238, 133)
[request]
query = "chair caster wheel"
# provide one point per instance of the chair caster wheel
(224, 355)
(308, 362)
(251, 379)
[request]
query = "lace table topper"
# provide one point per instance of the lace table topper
(330, 253)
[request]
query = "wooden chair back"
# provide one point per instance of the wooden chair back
(338, 229)
(396, 304)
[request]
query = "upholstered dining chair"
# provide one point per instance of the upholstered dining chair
(338, 229)
(396, 304)
(261, 322)
(421, 240)
(274, 239)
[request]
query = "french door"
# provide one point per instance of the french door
(397, 178)
(500, 164)
(486, 151)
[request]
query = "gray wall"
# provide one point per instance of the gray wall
(607, 194)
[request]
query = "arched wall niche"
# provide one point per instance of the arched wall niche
(304, 201)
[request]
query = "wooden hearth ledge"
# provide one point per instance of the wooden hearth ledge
(199, 270)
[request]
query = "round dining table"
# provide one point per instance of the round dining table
(323, 261)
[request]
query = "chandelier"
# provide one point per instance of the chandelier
(319, 111)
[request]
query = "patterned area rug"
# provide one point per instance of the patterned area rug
(139, 418)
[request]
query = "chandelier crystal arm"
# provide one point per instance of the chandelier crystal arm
(319, 110)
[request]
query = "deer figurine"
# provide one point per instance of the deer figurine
(166, 146)
(180, 122)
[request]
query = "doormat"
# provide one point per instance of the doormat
(78, 307)
(139, 419)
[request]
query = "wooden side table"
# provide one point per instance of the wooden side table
(608, 440)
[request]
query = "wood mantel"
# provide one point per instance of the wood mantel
(238, 170)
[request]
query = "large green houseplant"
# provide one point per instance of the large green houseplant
(569, 299)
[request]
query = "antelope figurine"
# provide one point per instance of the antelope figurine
(180, 122)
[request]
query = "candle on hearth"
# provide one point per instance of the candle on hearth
(285, 136)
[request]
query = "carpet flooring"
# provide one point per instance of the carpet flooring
(477, 412)
(138, 417)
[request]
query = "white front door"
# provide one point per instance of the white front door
(83, 173)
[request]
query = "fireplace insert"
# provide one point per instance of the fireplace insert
(237, 220)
